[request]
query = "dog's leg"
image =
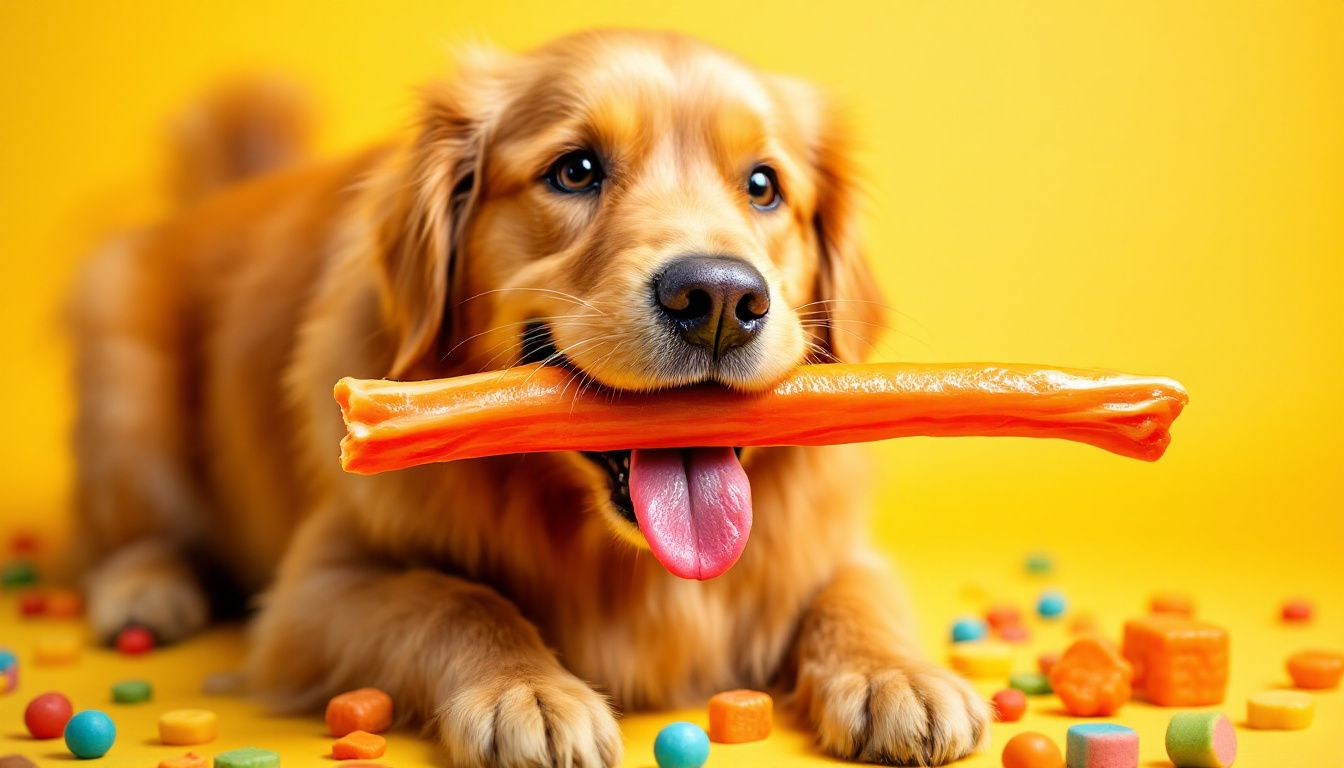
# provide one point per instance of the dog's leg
(864, 686)
(453, 654)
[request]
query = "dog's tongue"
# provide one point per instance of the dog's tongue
(693, 506)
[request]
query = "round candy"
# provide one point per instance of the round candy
(681, 745)
(132, 691)
(32, 603)
(1030, 683)
(1014, 633)
(47, 715)
(1009, 705)
(1316, 670)
(1051, 604)
(1296, 611)
(1176, 603)
(1002, 615)
(134, 641)
(1031, 750)
(967, 629)
(90, 734)
(1203, 739)
(1039, 562)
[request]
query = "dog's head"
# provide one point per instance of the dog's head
(650, 212)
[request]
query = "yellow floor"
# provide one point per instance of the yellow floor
(1240, 597)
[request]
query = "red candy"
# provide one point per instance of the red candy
(1014, 633)
(1000, 616)
(134, 641)
(47, 714)
(32, 603)
(1297, 611)
(1009, 705)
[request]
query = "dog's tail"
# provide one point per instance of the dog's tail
(239, 129)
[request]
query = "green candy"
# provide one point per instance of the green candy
(19, 573)
(1039, 562)
(1031, 683)
(247, 757)
(132, 691)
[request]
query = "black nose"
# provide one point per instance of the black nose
(717, 302)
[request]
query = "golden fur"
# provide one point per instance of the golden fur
(500, 601)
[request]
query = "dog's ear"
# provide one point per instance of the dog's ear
(433, 196)
(845, 283)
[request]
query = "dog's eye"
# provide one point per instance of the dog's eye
(576, 172)
(763, 188)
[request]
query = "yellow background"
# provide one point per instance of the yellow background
(1155, 187)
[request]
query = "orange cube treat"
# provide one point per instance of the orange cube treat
(1091, 678)
(1173, 603)
(366, 709)
(1178, 661)
(64, 604)
(359, 745)
(739, 716)
(1316, 670)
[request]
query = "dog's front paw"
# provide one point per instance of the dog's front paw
(897, 712)
(148, 585)
(531, 719)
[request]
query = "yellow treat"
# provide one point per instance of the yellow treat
(56, 650)
(184, 727)
(1280, 710)
(983, 659)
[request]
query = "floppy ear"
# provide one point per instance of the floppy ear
(434, 193)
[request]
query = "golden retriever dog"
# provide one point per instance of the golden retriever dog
(638, 207)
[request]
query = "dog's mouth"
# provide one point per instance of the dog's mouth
(692, 505)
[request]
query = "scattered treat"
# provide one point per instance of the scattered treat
(90, 734)
(16, 761)
(967, 629)
(1039, 563)
(365, 709)
(133, 641)
(681, 745)
(24, 543)
(1085, 624)
(1046, 661)
(1010, 705)
(1031, 750)
(1030, 683)
(1014, 633)
(1178, 661)
(982, 659)
(189, 760)
(132, 691)
(18, 573)
(1316, 670)
(46, 715)
(248, 757)
(57, 649)
(1003, 615)
(1201, 740)
(64, 604)
(1280, 710)
(1172, 602)
(188, 727)
(1296, 611)
(1091, 678)
(1051, 605)
(359, 745)
(9, 670)
(32, 602)
(740, 716)
(1101, 745)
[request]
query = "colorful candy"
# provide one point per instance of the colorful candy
(365, 709)
(247, 757)
(46, 715)
(1031, 750)
(1175, 603)
(1052, 604)
(967, 629)
(740, 716)
(132, 691)
(1280, 710)
(1296, 611)
(1010, 705)
(1039, 563)
(90, 734)
(1316, 670)
(1091, 678)
(134, 641)
(1003, 615)
(64, 604)
(982, 659)
(1030, 683)
(1014, 633)
(32, 603)
(9, 671)
(188, 727)
(189, 760)
(1201, 740)
(57, 649)
(1178, 662)
(359, 745)
(1101, 745)
(19, 573)
(681, 745)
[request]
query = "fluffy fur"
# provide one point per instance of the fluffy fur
(501, 602)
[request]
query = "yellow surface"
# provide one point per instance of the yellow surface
(1148, 186)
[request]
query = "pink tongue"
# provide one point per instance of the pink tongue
(693, 506)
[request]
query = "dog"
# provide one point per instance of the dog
(640, 208)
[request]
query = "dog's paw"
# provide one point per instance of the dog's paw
(147, 585)
(898, 712)
(531, 719)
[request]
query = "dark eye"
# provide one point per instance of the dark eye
(763, 188)
(576, 172)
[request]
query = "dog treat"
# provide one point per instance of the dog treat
(1172, 602)
(1013, 633)
(9, 671)
(189, 760)
(1039, 563)
(1201, 740)
(188, 727)
(394, 425)
(1296, 611)
(1280, 710)
(1178, 662)
(1091, 678)
(32, 602)
(681, 745)
(359, 745)
(1316, 670)
(1101, 745)
(247, 757)
(1084, 624)
(982, 659)
(134, 641)
(365, 709)
(740, 716)
(132, 691)
(57, 649)
(64, 604)
(1051, 605)
(1031, 683)
(1009, 705)
(1031, 750)
(967, 629)
(46, 715)
(1003, 615)
(19, 573)
(90, 734)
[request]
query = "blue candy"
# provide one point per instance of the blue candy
(967, 629)
(681, 745)
(90, 734)
(1051, 604)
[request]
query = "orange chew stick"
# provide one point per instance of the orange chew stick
(394, 425)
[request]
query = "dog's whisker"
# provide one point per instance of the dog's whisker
(505, 326)
(548, 291)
